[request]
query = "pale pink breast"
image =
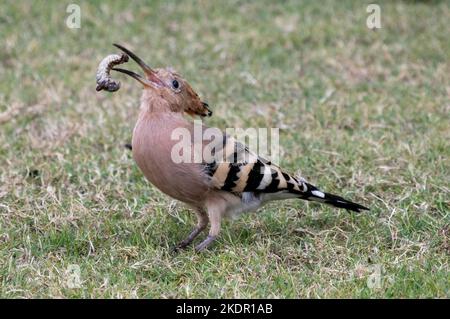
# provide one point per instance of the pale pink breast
(152, 146)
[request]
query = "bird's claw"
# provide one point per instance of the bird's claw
(181, 246)
(205, 244)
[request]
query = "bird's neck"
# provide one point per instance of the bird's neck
(156, 110)
(154, 104)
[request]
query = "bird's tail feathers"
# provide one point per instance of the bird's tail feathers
(316, 195)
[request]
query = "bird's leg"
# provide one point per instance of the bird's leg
(205, 244)
(202, 222)
(215, 216)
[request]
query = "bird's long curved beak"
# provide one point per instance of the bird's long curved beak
(151, 79)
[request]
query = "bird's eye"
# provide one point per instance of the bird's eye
(175, 84)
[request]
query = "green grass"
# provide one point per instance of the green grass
(362, 113)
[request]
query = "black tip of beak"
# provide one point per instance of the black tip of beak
(122, 48)
(138, 60)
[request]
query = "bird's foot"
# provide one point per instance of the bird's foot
(188, 240)
(205, 244)
(181, 246)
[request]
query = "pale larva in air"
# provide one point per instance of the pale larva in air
(104, 80)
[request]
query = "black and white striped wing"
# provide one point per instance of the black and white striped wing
(236, 169)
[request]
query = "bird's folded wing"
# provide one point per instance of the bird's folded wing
(233, 167)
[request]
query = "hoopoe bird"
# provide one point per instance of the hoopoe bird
(214, 189)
